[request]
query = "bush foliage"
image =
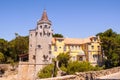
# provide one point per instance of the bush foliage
(47, 71)
(63, 59)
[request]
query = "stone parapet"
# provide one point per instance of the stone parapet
(86, 75)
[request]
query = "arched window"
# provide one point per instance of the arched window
(45, 26)
(40, 27)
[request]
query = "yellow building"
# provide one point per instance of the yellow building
(88, 49)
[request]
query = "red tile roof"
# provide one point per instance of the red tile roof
(44, 16)
(73, 40)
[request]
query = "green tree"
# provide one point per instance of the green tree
(110, 42)
(77, 66)
(58, 35)
(1, 57)
(63, 59)
(4, 48)
(18, 46)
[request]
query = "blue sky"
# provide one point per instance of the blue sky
(72, 18)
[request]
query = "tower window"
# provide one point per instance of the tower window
(30, 45)
(34, 56)
(40, 34)
(48, 34)
(39, 46)
(36, 33)
(45, 26)
(31, 35)
(50, 52)
(95, 39)
(49, 47)
(40, 27)
(49, 27)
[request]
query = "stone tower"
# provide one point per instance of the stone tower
(40, 40)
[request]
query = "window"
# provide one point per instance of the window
(95, 39)
(95, 57)
(71, 47)
(34, 56)
(30, 45)
(39, 46)
(73, 58)
(92, 47)
(40, 27)
(60, 40)
(98, 47)
(48, 34)
(31, 35)
(64, 48)
(40, 34)
(80, 58)
(78, 47)
(55, 48)
(36, 33)
(75, 47)
(49, 47)
(45, 26)
(49, 27)
(49, 52)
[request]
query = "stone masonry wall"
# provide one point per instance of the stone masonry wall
(85, 75)
(23, 71)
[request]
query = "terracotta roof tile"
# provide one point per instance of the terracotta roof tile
(44, 16)
(73, 40)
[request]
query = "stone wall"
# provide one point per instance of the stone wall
(85, 75)
(23, 71)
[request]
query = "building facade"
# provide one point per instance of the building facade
(40, 55)
(43, 47)
(88, 49)
(40, 40)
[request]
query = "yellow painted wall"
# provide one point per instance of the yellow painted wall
(60, 48)
(74, 49)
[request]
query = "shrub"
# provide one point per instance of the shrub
(47, 71)
(63, 68)
(77, 66)
(63, 59)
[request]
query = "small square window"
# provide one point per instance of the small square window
(39, 46)
(92, 47)
(45, 26)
